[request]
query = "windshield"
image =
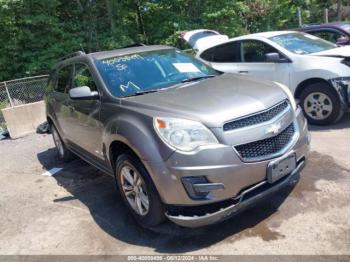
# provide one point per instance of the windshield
(345, 27)
(299, 43)
(136, 73)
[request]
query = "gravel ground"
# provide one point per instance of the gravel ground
(77, 211)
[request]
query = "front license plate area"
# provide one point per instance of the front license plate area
(280, 167)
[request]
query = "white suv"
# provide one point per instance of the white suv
(315, 70)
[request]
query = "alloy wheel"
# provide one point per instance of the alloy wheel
(318, 106)
(134, 189)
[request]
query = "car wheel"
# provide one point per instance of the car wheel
(321, 104)
(138, 191)
(63, 152)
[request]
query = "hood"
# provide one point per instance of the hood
(340, 52)
(211, 101)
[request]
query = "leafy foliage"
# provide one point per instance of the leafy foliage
(35, 33)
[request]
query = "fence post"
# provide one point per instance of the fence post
(326, 15)
(299, 17)
(8, 94)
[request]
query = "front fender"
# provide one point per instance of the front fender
(303, 76)
(137, 132)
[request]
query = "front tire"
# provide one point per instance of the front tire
(321, 104)
(138, 191)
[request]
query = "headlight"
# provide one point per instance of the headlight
(182, 134)
(289, 94)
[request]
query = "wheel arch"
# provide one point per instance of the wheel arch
(304, 84)
(117, 148)
(50, 121)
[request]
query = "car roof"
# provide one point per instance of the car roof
(257, 36)
(128, 51)
(111, 53)
(333, 24)
(263, 35)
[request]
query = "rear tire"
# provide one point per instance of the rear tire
(138, 191)
(63, 152)
(321, 104)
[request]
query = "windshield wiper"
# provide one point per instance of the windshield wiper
(192, 79)
(142, 92)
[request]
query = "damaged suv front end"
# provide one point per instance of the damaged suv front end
(262, 154)
(255, 155)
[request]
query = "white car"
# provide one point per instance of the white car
(316, 71)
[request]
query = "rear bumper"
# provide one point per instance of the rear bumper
(247, 198)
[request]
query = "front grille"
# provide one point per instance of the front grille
(266, 147)
(257, 118)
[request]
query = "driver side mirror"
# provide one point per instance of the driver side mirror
(83, 93)
(276, 58)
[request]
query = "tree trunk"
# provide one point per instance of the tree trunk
(339, 7)
(140, 22)
(110, 16)
(81, 8)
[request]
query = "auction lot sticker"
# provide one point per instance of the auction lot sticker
(186, 68)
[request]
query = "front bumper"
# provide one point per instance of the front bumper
(247, 198)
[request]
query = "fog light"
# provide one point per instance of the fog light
(198, 187)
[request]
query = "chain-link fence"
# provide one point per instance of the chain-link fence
(21, 91)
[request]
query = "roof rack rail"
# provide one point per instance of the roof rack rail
(134, 45)
(311, 24)
(78, 53)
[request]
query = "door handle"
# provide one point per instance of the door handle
(243, 72)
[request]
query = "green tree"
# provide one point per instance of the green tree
(35, 33)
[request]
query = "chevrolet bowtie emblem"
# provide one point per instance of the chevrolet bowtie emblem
(274, 129)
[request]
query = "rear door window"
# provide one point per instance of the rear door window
(253, 51)
(226, 53)
(51, 83)
(64, 76)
